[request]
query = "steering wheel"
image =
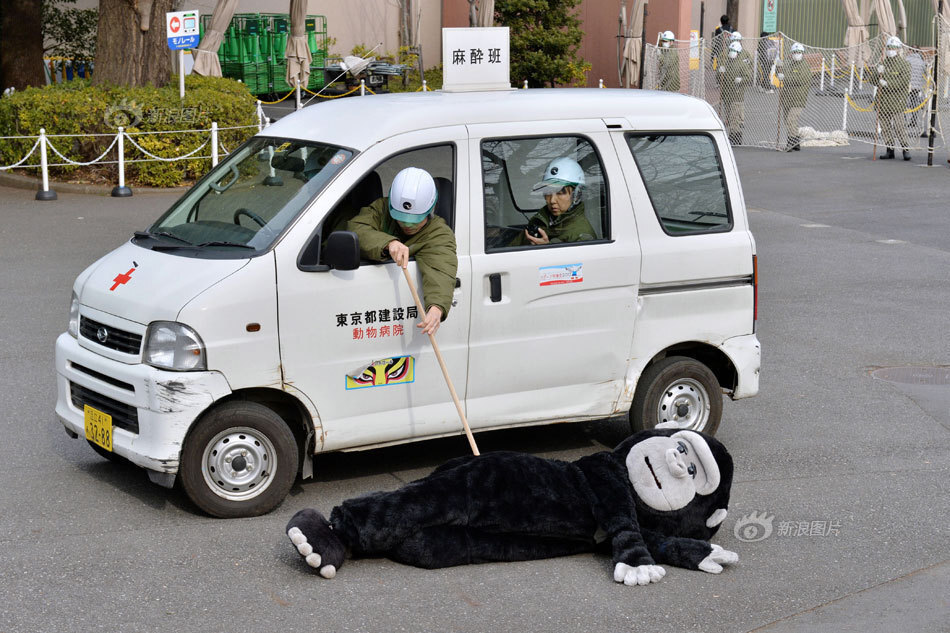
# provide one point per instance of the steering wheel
(250, 214)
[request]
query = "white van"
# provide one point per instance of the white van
(236, 337)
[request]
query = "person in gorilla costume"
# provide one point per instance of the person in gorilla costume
(656, 499)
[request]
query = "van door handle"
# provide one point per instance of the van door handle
(458, 282)
(494, 281)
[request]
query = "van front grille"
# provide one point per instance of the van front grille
(109, 336)
(124, 416)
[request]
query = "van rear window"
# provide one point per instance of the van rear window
(684, 179)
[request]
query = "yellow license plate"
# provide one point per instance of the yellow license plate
(98, 427)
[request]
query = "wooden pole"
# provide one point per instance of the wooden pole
(445, 370)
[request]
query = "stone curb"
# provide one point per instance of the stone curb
(34, 184)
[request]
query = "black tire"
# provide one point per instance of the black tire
(258, 441)
(677, 389)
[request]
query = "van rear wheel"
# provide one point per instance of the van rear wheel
(240, 461)
(677, 390)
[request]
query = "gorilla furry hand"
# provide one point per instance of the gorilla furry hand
(654, 500)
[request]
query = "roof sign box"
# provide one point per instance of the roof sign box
(475, 59)
(181, 29)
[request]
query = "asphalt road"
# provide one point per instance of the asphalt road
(847, 473)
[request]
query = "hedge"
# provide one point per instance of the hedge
(75, 107)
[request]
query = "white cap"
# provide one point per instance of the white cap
(735, 36)
(667, 36)
(894, 42)
(412, 195)
(798, 47)
(560, 172)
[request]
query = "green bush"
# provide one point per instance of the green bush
(75, 107)
(433, 80)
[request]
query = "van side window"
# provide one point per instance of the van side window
(549, 188)
(438, 160)
(685, 181)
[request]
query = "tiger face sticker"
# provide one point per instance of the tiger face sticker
(388, 371)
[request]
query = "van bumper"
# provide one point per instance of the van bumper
(745, 352)
(152, 409)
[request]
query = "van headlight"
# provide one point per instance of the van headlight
(73, 327)
(170, 345)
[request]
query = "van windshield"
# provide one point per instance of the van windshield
(243, 205)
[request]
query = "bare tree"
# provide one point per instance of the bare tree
(21, 44)
(131, 48)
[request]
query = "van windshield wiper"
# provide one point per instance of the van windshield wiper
(154, 234)
(187, 244)
(224, 243)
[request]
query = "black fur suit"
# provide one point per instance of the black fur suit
(506, 506)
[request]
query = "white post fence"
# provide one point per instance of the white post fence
(45, 193)
(118, 141)
(214, 144)
(121, 191)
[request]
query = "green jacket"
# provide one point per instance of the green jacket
(572, 226)
(669, 76)
(741, 66)
(892, 98)
(433, 247)
(795, 85)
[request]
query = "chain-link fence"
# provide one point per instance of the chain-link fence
(769, 96)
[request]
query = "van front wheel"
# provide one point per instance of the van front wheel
(240, 461)
(677, 390)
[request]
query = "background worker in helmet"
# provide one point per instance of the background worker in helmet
(795, 76)
(892, 78)
(669, 71)
(735, 74)
(562, 218)
(736, 37)
(403, 226)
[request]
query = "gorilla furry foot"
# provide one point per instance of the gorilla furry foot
(315, 540)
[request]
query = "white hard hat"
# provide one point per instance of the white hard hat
(735, 46)
(560, 172)
(798, 47)
(894, 42)
(667, 36)
(735, 36)
(412, 195)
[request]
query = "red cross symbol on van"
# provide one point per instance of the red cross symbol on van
(122, 278)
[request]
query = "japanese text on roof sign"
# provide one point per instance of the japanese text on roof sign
(475, 56)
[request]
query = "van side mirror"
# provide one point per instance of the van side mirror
(343, 250)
